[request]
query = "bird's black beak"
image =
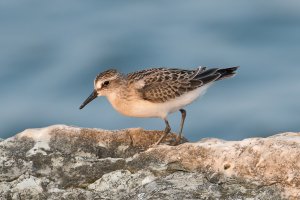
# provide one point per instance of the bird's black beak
(89, 99)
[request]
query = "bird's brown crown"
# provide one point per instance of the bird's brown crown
(107, 74)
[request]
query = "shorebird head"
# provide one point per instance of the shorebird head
(105, 84)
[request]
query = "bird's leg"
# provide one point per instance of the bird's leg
(183, 115)
(167, 130)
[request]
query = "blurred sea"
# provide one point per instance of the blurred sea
(50, 52)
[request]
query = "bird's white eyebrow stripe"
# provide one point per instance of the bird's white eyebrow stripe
(108, 79)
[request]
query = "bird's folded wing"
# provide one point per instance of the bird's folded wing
(166, 84)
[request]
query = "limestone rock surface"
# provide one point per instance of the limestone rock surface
(64, 162)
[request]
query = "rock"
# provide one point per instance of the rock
(63, 162)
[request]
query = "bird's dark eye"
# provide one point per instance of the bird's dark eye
(106, 83)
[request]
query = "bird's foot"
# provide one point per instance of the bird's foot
(179, 140)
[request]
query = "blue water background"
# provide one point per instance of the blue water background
(50, 52)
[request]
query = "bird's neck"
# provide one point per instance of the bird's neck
(118, 96)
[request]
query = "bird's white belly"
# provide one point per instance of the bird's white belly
(142, 108)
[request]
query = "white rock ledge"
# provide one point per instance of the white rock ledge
(63, 162)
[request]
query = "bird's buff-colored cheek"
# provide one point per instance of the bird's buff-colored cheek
(99, 93)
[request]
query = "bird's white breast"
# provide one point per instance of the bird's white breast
(180, 102)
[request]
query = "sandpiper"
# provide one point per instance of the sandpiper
(156, 92)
